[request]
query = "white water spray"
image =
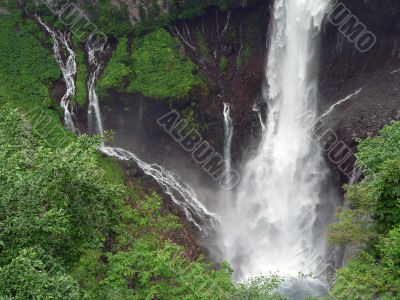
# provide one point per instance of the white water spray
(95, 123)
(275, 217)
(68, 69)
(181, 193)
(257, 109)
(228, 134)
(341, 101)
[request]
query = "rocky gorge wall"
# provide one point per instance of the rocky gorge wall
(372, 75)
(229, 47)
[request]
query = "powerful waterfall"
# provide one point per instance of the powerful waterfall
(274, 222)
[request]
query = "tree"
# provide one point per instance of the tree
(373, 222)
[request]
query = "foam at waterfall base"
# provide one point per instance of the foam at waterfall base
(302, 288)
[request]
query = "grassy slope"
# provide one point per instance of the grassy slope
(155, 69)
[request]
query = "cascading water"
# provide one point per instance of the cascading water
(68, 69)
(228, 134)
(181, 193)
(341, 101)
(257, 109)
(274, 218)
(95, 124)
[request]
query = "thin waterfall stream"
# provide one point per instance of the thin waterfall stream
(68, 69)
(95, 123)
(180, 192)
(228, 134)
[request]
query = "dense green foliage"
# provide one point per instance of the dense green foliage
(69, 228)
(54, 204)
(142, 264)
(119, 69)
(32, 274)
(81, 76)
(154, 69)
(58, 210)
(373, 223)
(160, 71)
(27, 69)
(111, 19)
(58, 206)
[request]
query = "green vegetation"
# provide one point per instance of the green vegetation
(69, 232)
(223, 64)
(259, 288)
(189, 115)
(118, 71)
(81, 76)
(373, 223)
(153, 16)
(202, 44)
(243, 56)
(159, 69)
(69, 227)
(26, 72)
(109, 18)
(104, 16)
(155, 69)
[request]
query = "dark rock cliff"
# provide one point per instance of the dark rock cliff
(238, 37)
(345, 70)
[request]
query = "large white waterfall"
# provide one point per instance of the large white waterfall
(274, 218)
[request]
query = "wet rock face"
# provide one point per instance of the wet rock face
(168, 8)
(382, 14)
(230, 49)
(344, 70)
(134, 7)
